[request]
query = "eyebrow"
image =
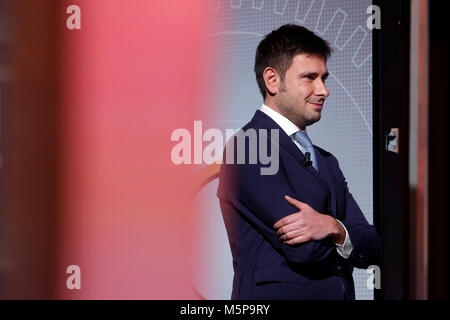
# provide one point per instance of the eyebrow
(314, 74)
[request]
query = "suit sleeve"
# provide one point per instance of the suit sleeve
(260, 200)
(364, 237)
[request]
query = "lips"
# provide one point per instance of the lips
(317, 105)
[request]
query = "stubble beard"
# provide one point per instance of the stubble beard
(301, 118)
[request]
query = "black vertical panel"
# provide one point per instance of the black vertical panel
(390, 110)
(438, 152)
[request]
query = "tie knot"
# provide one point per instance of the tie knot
(303, 139)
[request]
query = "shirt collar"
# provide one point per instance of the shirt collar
(288, 127)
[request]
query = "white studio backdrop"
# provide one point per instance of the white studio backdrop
(344, 130)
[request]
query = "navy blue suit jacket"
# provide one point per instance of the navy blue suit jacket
(251, 203)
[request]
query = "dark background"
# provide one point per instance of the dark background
(439, 283)
(393, 201)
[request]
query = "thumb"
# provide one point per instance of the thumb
(296, 203)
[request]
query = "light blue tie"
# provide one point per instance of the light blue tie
(307, 145)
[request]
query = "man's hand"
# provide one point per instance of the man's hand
(307, 225)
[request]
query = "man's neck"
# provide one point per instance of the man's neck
(273, 106)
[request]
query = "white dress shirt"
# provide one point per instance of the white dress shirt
(290, 129)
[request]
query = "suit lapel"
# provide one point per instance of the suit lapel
(288, 145)
(325, 173)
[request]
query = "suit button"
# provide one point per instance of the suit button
(339, 268)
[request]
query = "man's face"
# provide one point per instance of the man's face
(302, 92)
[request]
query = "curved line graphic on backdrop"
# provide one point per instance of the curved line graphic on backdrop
(354, 103)
(334, 77)
(211, 172)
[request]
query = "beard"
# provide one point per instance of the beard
(303, 118)
(300, 115)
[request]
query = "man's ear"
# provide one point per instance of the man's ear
(272, 80)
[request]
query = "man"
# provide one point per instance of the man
(296, 234)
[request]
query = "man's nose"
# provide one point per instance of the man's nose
(321, 89)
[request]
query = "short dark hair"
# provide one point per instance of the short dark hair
(279, 47)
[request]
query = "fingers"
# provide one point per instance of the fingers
(299, 239)
(298, 204)
(287, 220)
(290, 227)
(292, 234)
(292, 217)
